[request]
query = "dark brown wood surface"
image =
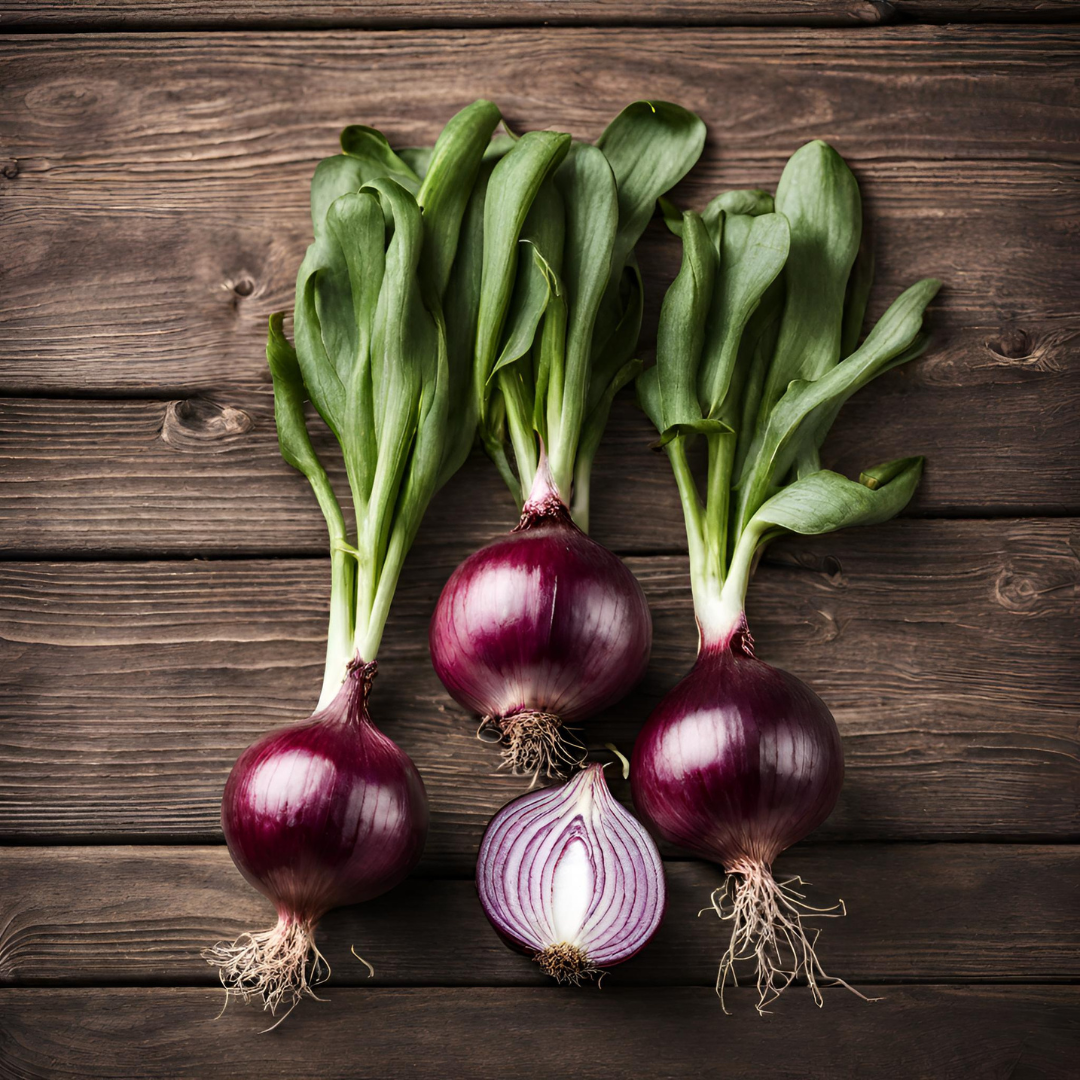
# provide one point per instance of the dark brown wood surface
(164, 598)
(35, 15)
(946, 650)
(678, 1033)
(240, 14)
(911, 916)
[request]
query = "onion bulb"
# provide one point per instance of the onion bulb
(571, 878)
(542, 628)
(321, 814)
(737, 763)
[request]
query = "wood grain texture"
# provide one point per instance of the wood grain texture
(203, 476)
(155, 192)
(941, 912)
(930, 1033)
(947, 651)
(962, 11)
(130, 15)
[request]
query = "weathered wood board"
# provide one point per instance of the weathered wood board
(944, 648)
(915, 912)
(284, 14)
(395, 14)
(679, 1033)
(202, 145)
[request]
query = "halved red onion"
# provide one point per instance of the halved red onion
(570, 877)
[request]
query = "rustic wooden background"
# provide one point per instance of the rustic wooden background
(163, 589)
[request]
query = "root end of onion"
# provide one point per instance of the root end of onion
(277, 967)
(566, 963)
(766, 919)
(536, 742)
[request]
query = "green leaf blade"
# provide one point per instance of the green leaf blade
(681, 332)
(826, 501)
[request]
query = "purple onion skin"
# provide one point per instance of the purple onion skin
(543, 619)
(327, 812)
(739, 761)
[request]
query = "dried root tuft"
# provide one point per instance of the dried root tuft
(766, 927)
(566, 964)
(272, 966)
(534, 742)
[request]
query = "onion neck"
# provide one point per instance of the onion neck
(339, 637)
(719, 583)
(545, 501)
(349, 700)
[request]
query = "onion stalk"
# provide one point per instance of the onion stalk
(572, 879)
(528, 646)
(758, 348)
(330, 811)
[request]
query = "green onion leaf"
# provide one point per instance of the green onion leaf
(681, 333)
(826, 501)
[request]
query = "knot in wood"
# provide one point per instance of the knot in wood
(202, 425)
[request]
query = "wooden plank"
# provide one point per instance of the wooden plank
(930, 1032)
(965, 11)
(204, 477)
(947, 650)
(100, 15)
(127, 915)
(126, 15)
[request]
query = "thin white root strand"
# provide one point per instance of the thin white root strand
(766, 919)
(370, 967)
(277, 967)
(534, 742)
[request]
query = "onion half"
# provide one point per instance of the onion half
(571, 878)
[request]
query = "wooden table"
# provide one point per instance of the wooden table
(163, 597)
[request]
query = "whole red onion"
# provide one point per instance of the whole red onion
(737, 763)
(541, 628)
(322, 814)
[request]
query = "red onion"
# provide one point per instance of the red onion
(568, 876)
(325, 813)
(758, 347)
(737, 763)
(541, 628)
